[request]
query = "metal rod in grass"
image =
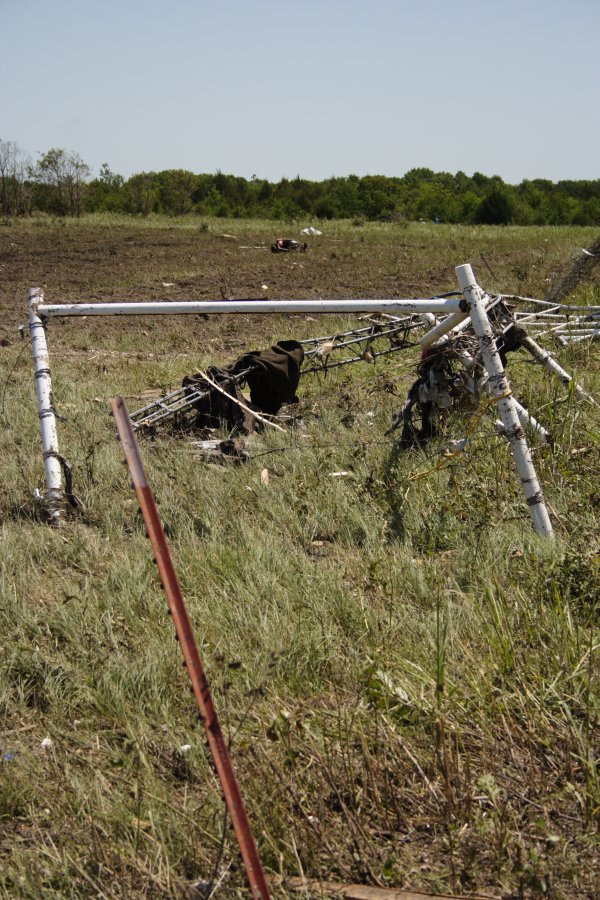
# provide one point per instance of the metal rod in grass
(185, 635)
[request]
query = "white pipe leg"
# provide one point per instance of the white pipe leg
(445, 329)
(506, 405)
(43, 386)
(544, 358)
(529, 421)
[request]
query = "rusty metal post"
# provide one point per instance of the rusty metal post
(191, 655)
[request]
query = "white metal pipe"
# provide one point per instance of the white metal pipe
(449, 327)
(442, 328)
(43, 384)
(550, 314)
(552, 328)
(576, 338)
(448, 305)
(529, 421)
(463, 355)
(554, 305)
(474, 298)
(575, 327)
(543, 357)
(539, 329)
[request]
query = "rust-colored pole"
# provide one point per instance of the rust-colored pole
(191, 655)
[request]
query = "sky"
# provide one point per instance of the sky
(314, 88)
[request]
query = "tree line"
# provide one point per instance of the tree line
(60, 183)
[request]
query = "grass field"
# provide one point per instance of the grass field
(407, 675)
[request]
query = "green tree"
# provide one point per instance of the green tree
(496, 207)
(105, 193)
(141, 194)
(176, 189)
(60, 177)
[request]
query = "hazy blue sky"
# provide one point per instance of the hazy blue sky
(510, 88)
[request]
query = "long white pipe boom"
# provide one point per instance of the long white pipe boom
(166, 308)
(499, 386)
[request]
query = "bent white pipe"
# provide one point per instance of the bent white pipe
(499, 387)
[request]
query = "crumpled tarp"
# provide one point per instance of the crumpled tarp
(275, 375)
(273, 379)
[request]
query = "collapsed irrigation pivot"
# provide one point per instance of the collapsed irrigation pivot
(448, 315)
(463, 339)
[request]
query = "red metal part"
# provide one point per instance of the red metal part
(185, 634)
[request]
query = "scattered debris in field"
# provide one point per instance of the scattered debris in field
(216, 396)
(312, 231)
(282, 365)
(232, 450)
(451, 376)
(272, 375)
(288, 245)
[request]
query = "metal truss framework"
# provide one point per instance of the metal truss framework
(447, 315)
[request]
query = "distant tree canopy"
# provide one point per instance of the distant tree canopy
(60, 183)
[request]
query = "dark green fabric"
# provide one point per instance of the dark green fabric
(214, 409)
(274, 377)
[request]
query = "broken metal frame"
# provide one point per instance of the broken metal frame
(570, 324)
(184, 399)
(472, 306)
(40, 314)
